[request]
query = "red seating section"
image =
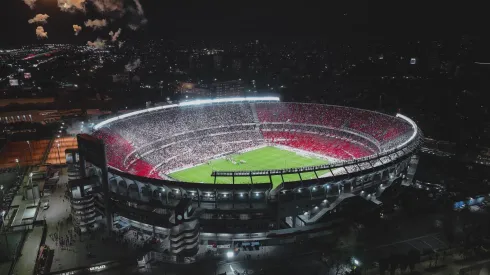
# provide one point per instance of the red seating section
(330, 146)
(116, 150)
(381, 127)
(385, 129)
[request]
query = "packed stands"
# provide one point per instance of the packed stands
(330, 146)
(194, 150)
(116, 150)
(382, 127)
(170, 138)
(183, 119)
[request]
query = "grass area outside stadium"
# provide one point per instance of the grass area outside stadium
(265, 158)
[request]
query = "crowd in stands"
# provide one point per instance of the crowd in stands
(196, 150)
(169, 122)
(117, 148)
(368, 143)
(185, 136)
(382, 127)
(325, 145)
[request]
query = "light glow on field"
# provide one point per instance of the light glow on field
(265, 158)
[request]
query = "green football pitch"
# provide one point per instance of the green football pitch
(265, 158)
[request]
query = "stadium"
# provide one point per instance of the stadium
(242, 171)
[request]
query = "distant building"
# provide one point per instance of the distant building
(434, 59)
(193, 90)
(192, 63)
(228, 88)
(121, 78)
(254, 64)
(434, 62)
(237, 64)
(38, 116)
(217, 62)
(197, 61)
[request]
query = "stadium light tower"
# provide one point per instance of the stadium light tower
(59, 156)
(60, 139)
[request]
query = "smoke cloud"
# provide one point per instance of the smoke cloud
(133, 66)
(40, 33)
(133, 27)
(109, 5)
(96, 24)
(39, 18)
(30, 3)
(71, 5)
(138, 18)
(77, 29)
(139, 8)
(115, 35)
(98, 44)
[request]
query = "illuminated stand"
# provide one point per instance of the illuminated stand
(189, 103)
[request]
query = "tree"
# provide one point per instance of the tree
(394, 263)
(383, 266)
(413, 258)
(403, 264)
(436, 258)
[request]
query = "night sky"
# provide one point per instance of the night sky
(207, 19)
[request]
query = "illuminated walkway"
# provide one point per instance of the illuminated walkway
(57, 152)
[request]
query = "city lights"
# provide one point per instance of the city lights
(288, 141)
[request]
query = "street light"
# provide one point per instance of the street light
(230, 254)
(356, 262)
(32, 186)
(59, 157)
(30, 150)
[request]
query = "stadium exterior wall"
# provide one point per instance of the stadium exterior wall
(310, 202)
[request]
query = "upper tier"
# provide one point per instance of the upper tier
(382, 127)
(143, 129)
